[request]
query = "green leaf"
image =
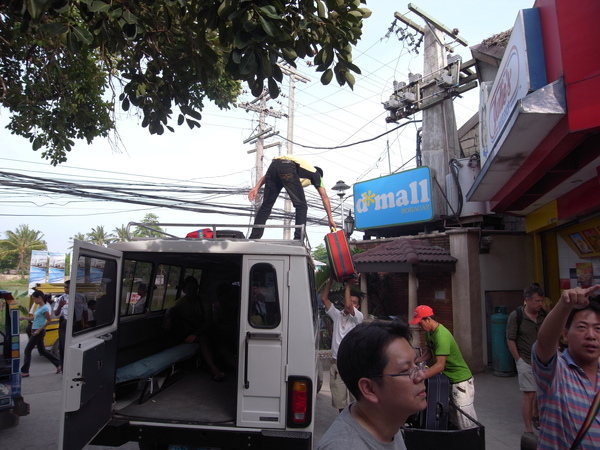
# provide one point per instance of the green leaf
(327, 76)
(270, 11)
(54, 28)
(125, 104)
(99, 6)
(180, 119)
(273, 88)
(83, 35)
(73, 44)
(37, 143)
(269, 28)
(350, 79)
(129, 17)
(192, 123)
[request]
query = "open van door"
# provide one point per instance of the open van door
(263, 341)
(90, 352)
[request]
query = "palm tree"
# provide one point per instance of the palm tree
(21, 242)
(100, 237)
(79, 237)
(121, 234)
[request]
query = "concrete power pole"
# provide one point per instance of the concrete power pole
(432, 94)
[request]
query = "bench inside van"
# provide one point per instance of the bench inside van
(149, 357)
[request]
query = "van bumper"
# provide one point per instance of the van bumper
(118, 432)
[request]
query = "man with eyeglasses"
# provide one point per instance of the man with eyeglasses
(379, 366)
(443, 350)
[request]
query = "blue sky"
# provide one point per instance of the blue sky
(325, 116)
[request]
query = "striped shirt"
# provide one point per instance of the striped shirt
(565, 395)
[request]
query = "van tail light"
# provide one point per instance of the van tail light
(299, 402)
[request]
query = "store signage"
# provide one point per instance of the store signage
(522, 70)
(396, 199)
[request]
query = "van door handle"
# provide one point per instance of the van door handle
(106, 337)
(246, 382)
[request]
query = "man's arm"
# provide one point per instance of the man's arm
(555, 321)
(254, 191)
(325, 295)
(348, 306)
(512, 347)
(438, 367)
(327, 205)
(512, 330)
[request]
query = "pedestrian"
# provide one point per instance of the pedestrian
(61, 310)
(568, 382)
(40, 320)
(343, 321)
(292, 173)
(522, 329)
(378, 364)
(443, 351)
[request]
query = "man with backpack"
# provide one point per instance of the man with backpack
(521, 332)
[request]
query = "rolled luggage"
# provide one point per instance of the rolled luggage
(338, 253)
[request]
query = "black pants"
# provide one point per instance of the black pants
(37, 341)
(281, 174)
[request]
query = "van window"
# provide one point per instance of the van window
(264, 309)
(166, 283)
(136, 286)
(100, 278)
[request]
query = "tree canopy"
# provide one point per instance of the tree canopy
(65, 64)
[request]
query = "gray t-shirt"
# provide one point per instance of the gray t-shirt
(345, 433)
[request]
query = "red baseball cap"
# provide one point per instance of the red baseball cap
(421, 312)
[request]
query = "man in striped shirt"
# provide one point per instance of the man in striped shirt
(567, 381)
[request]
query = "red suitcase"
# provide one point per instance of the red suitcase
(338, 253)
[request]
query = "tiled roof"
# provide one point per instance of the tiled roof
(411, 251)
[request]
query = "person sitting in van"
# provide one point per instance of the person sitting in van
(258, 307)
(139, 306)
(190, 323)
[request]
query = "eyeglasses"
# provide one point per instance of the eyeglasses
(410, 373)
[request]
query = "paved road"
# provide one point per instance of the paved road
(497, 401)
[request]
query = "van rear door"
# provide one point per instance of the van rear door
(263, 339)
(90, 352)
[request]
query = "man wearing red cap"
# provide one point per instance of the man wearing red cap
(448, 360)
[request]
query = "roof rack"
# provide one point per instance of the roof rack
(212, 231)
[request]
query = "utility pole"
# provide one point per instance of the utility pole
(262, 132)
(432, 94)
(293, 76)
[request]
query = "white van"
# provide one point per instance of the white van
(127, 377)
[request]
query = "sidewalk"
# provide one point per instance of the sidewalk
(497, 402)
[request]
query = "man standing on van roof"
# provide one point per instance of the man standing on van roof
(293, 174)
(343, 322)
(448, 360)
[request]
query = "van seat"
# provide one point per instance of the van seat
(147, 368)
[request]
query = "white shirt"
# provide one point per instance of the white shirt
(342, 324)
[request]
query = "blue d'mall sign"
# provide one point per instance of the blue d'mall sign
(394, 200)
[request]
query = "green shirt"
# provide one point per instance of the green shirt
(442, 343)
